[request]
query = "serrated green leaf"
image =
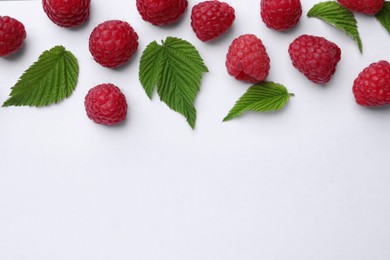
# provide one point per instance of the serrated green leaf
(263, 97)
(338, 16)
(383, 16)
(150, 66)
(186, 52)
(177, 69)
(49, 80)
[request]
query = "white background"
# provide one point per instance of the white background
(309, 182)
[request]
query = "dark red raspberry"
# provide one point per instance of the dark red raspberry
(370, 7)
(211, 19)
(161, 12)
(315, 57)
(372, 86)
(280, 14)
(112, 43)
(247, 59)
(105, 104)
(12, 35)
(67, 13)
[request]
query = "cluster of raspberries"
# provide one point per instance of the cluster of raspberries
(112, 43)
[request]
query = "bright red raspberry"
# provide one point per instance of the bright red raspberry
(67, 13)
(211, 19)
(161, 12)
(315, 57)
(105, 104)
(12, 35)
(370, 7)
(247, 59)
(280, 14)
(112, 43)
(372, 86)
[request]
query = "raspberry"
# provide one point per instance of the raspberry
(280, 14)
(372, 86)
(161, 12)
(67, 13)
(112, 43)
(211, 19)
(105, 104)
(247, 59)
(370, 7)
(12, 35)
(315, 57)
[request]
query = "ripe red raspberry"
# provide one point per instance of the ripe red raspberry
(315, 57)
(211, 19)
(112, 43)
(67, 13)
(105, 104)
(12, 35)
(280, 14)
(370, 7)
(161, 12)
(372, 86)
(247, 59)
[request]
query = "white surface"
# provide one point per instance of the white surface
(309, 182)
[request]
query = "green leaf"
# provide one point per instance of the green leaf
(262, 97)
(338, 16)
(150, 67)
(49, 80)
(383, 16)
(177, 69)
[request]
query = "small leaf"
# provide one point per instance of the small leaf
(383, 16)
(262, 97)
(49, 80)
(338, 16)
(177, 69)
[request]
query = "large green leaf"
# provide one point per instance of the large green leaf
(49, 80)
(338, 16)
(177, 69)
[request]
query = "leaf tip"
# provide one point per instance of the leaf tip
(192, 124)
(9, 102)
(227, 118)
(150, 95)
(191, 120)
